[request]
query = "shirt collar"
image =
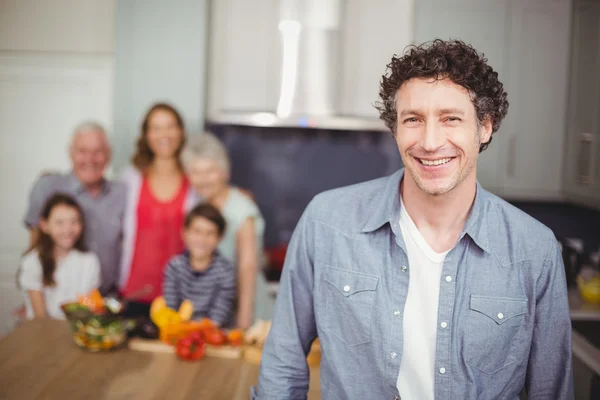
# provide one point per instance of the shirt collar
(76, 186)
(387, 206)
(477, 223)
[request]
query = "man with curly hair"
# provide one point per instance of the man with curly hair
(423, 285)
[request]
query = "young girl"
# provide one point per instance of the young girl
(57, 268)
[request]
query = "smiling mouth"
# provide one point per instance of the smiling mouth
(434, 163)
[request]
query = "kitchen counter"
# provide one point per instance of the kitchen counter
(581, 310)
(39, 360)
(583, 349)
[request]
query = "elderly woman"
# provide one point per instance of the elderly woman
(206, 163)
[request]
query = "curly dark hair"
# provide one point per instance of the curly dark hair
(144, 156)
(440, 59)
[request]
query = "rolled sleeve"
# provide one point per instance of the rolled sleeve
(284, 372)
(549, 373)
(37, 197)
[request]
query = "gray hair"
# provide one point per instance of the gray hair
(89, 126)
(205, 146)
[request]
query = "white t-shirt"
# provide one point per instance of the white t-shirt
(417, 367)
(76, 274)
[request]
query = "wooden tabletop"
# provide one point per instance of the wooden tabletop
(39, 360)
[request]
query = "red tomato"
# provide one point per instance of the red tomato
(196, 335)
(190, 348)
(215, 336)
(235, 337)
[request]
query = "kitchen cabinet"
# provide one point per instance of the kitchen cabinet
(244, 56)
(527, 43)
(373, 31)
(582, 155)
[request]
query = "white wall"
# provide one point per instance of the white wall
(78, 26)
(160, 56)
(56, 69)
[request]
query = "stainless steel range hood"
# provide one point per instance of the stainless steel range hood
(306, 69)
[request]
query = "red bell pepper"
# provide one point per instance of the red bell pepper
(191, 347)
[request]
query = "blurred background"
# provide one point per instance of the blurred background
(295, 107)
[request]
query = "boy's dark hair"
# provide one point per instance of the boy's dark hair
(440, 59)
(209, 212)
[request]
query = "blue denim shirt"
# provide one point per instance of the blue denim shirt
(502, 292)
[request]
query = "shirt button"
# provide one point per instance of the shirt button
(346, 288)
(444, 324)
(397, 312)
(442, 370)
(448, 279)
(500, 315)
(404, 268)
(393, 355)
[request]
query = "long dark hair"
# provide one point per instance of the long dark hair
(144, 156)
(44, 243)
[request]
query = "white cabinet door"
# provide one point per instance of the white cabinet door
(483, 24)
(244, 56)
(582, 156)
(373, 32)
(537, 88)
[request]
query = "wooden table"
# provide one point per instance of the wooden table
(39, 360)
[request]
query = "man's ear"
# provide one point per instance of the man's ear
(485, 130)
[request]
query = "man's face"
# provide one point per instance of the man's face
(438, 134)
(90, 154)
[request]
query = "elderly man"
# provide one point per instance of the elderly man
(103, 201)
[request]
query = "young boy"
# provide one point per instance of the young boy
(200, 274)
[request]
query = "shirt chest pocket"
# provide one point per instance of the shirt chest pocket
(493, 331)
(349, 298)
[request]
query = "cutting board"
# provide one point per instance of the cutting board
(156, 346)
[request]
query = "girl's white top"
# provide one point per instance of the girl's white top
(76, 274)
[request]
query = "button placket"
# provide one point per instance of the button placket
(446, 309)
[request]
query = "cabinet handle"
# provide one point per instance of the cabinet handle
(512, 153)
(584, 159)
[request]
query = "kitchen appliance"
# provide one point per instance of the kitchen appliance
(302, 63)
(573, 257)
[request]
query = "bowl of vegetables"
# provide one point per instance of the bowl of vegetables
(95, 326)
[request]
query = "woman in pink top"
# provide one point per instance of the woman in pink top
(158, 197)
